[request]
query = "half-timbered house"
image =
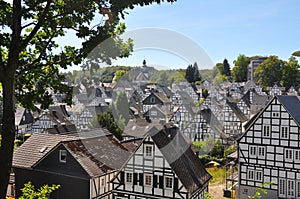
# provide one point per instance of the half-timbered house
(163, 166)
(269, 151)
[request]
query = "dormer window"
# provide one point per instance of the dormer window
(152, 100)
(63, 156)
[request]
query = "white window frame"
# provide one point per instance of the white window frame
(284, 132)
(266, 130)
(129, 177)
(261, 151)
(282, 187)
(147, 154)
(288, 154)
(152, 99)
(251, 174)
(252, 151)
(297, 156)
(275, 114)
(297, 192)
(153, 113)
(148, 176)
(259, 176)
(167, 183)
(290, 188)
(62, 153)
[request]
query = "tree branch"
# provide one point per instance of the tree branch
(37, 26)
(32, 65)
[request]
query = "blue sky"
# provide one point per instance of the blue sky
(222, 28)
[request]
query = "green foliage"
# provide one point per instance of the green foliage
(261, 190)
(218, 150)
(218, 175)
(205, 93)
(207, 196)
(240, 70)
(192, 73)
(106, 120)
(290, 73)
(229, 150)
(167, 77)
(226, 68)
(118, 75)
(29, 191)
(269, 71)
(200, 102)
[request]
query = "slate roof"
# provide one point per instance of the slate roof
(98, 155)
(234, 107)
(28, 154)
(19, 117)
(177, 150)
(96, 151)
(292, 105)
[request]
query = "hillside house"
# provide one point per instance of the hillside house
(269, 150)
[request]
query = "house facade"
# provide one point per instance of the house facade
(269, 151)
(163, 166)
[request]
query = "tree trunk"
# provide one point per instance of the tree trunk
(8, 82)
(8, 134)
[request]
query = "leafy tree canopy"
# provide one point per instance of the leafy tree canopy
(240, 70)
(31, 54)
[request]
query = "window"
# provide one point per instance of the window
(153, 113)
(129, 177)
(252, 151)
(275, 114)
(102, 181)
(281, 188)
(261, 151)
(148, 180)
(284, 132)
(152, 100)
(168, 182)
(259, 176)
(266, 131)
(148, 151)
(250, 175)
(297, 155)
(288, 154)
(63, 156)
(290, 188)
(298, 189)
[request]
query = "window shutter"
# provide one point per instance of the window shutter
(161, 182)
(135, 178)
(176, 185)
(122, 176)
(155, 181)
(141, 179)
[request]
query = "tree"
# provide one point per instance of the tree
(192, 73)
(290, 73)
(269, 71)
(240, 70)
(106, 120)
(30, 56)
(118, 75)
(226, 67)
(189, 73)
(29, 191)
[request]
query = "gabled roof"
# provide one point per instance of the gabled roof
(234, 107)
(96, 151)
(98, 155)
(20, 112)
(176, 148)
(36, 147)
(290, 103)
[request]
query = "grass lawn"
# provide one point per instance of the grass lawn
(218, 175)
